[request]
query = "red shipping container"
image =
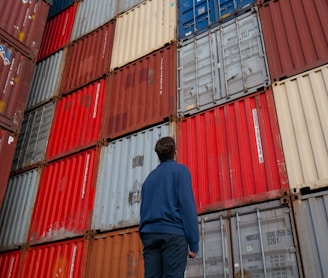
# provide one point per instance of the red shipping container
(9, 264)
(64, 202)
(22, 24)
(63, 259)
(15, 81)
(88, 58)
(234, 153)
(77, 120)
(142, 93)
(295, 35)
(8, 142)
(58, 32)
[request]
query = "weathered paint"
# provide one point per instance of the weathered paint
(301, 102)
(65, 198)
(295, 35)
(9, 264)
(234, 153)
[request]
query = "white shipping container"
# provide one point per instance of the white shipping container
(311, 217)
(17, 209)
(222, 64)
(124, 165)
(142, 30)
(301, 104)
(249, 241)
(46, 79)
(91, 15)
(33, 137)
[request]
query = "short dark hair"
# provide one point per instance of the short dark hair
(165, 148)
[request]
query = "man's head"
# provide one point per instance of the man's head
(165, 148)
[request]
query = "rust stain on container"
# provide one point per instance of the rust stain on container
(115, 254)
(15, 80)
(88, 58)
(142, 93)
(22, 24)
(234, 153)
(8, 142)
(295, 35)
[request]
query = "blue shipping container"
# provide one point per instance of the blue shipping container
(196, 16)
(58, 6)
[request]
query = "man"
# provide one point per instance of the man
(168, 215)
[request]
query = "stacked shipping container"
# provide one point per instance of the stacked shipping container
(248, 114)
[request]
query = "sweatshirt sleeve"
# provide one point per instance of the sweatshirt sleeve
(188, 209)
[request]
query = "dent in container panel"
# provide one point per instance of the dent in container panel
(62, 259)
(88, 58)
(15, 80)
(249, 241)
(57, 32)
(311, 217)
(9, 263)
(46, 79)
(118, 253)
(222, 64)
(142, 93)
(22, 24)
(147, 27)
(124, 165)
(8, 142)
(295, 36)
(65, 198)
(17, 209)
(33, 137)
(77, 120)
(92, 14)
(234, 153)
(301, 103)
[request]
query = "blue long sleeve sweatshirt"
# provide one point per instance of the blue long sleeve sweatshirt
(168, 204)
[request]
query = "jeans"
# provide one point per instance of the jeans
(165, 255)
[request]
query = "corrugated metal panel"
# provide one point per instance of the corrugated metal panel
(311, 216)
(65, 198)
(91, 15)
(147, 27)
(301, 103)
(58, 6)
(124, 165)
(142, 94)
(9, 264)
(221, 65)
(33, 138)
(25, 29)
(124, 5)
(197, 16)
(63, 259)
(234, 153)
(117, 254)
(256, 239)
(57, 32)
(88, 58)
(295, 35)
(15, 80)
(46, 79)
(77, 120)
(8, 142)
(17, 209)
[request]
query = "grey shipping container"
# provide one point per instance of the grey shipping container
(17, 208)
(311, 217)
(33, 139)
(222, 64)
(46, 79)
(124, 165)
(250, 241)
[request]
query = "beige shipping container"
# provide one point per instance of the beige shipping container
(142, 30)
(301, 103)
